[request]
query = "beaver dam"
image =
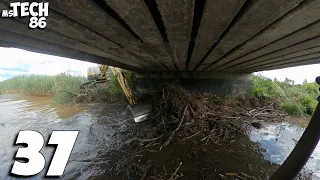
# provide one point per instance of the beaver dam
(195, 136)
(187, 136)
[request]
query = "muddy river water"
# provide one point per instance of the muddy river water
(88, 159)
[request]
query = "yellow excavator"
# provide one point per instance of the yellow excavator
(139, 112)
(101, 74)
(95, 76)
(98, 73)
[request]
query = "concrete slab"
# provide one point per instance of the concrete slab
(53, 37)
(70, 28)
(144, 54)
(288, 61)
(255, 16)
(306, 33)
(163, 35)
(95, 18)
(177, 17)
(286, 51)
(299, 63)
(138, 17)
(281, 58)
(161, 55)
(9, 39)
(213, 23)
(306, 13)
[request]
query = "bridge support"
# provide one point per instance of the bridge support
(220, 84)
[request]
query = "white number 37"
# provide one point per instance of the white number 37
(36, 162)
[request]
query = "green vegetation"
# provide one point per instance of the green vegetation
(131, 77)
(113, 85)
(62, 87)
(296, 99)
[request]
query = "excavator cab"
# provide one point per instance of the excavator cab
(98, 73)
(95, 75)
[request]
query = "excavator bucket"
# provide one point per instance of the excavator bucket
(139, 112)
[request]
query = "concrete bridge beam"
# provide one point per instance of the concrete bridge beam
(217, 83)
(249, 22)
(174, 35)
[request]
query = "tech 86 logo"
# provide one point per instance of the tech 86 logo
(37, 10)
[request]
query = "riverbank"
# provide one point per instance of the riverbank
(62, 88)
(298, 100)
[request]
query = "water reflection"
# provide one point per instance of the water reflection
(46, 106)
(278, 140)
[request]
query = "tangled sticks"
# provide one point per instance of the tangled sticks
(183, 119)
(180, 115)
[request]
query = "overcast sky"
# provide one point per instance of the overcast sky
(298, 74)
(15, 61)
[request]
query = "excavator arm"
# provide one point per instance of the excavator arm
(101, 76)
(103, 72)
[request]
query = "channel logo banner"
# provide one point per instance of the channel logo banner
(37, 11)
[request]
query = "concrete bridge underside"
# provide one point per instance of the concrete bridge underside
(175, 35)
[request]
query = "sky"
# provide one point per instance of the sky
(16, 61)
(298, 74)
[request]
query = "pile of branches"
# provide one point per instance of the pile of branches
(181, 115)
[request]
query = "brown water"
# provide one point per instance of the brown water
(103, 129)
(19, 112)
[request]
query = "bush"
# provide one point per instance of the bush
(113, 85)
(131, 77)
(296, 99)
(293, 108)
(66, 87)
(263, 87)
(308, 103)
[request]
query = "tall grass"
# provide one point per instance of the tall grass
(296, 99)
(62, 87)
